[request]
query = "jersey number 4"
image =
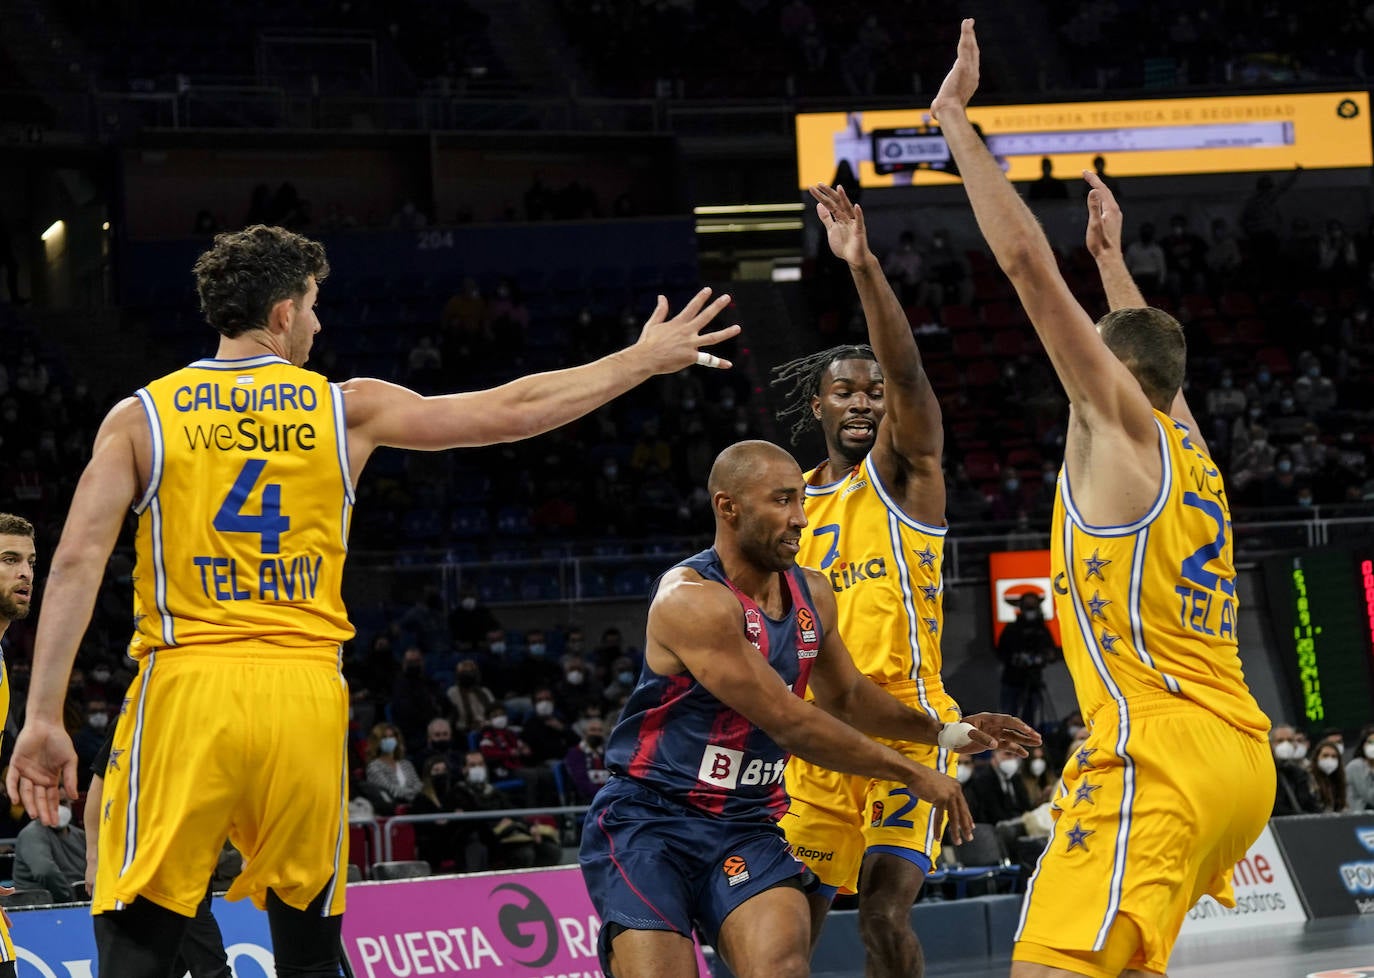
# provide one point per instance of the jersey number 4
(269, 524)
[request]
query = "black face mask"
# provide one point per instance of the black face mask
(414, 669)
(595, 742)
(441, 784)
(466, 679)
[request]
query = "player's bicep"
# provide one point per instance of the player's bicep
(394, 416)
(699, 623)
(1099, 386)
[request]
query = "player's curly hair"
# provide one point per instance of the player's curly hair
(804, 374)
(245, 273)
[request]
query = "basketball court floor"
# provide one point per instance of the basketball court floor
(1332, 948)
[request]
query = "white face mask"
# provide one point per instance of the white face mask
(64, 816)
(1328, 765)
(575, 677)
(1284, 750)
(477, 775)
(387, 744)
(1009, 766)
(1037, 766)
(500, 722)
(544, 708)
(964, 773)
(1369, 750)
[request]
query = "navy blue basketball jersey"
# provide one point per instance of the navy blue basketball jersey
(678, 739)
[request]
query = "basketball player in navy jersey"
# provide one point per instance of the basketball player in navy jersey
(684, 834)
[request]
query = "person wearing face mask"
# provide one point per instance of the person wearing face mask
(441, 844)
(470, 621)
(1024, 648)
(89, 738)
(101, 684)
(624, 677)
(1328, 778)
(469, 698)
(586, 762)
(1281, 488)
(1040, 779)
(545, 730)
(996, 792)
(579, 687)
(388, 771)
(509, 757)
(414, 699)
(439, 743)
(1293, 793)
(1359, 774)
(52, 858)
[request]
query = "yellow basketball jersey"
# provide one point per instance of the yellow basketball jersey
(1150, 606)
(884, 568)
(244, 525)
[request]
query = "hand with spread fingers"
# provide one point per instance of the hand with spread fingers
(1008, 732)
(672, 344)
(844, 224)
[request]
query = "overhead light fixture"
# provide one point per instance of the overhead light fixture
(747, 208)
(105, 226)
(54, 229)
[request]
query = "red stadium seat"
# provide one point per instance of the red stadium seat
(982, 466)
(968, 345)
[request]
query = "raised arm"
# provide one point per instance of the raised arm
(695, 626)
(43, 754)
(385, 414)
(1104, 244)
(911, 438)
(1099, 386)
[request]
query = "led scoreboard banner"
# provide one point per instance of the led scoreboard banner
(1138, 137)
(1322, 604)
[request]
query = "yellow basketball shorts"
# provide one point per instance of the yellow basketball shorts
(240, 743)
(6, 944)
(1154, 811)
(833, 819)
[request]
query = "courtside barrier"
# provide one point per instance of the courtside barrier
(1332, 857)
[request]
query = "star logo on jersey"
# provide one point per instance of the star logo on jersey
(1082, 758)
(927, 556)
(115, 753)
(931, 591)
(1078, 837)
(138, 619)
(933, 624)
(1085, 792)
(1095, 565)
(1097, 605)
(108, 803)
(1109, 642)
(124, 707)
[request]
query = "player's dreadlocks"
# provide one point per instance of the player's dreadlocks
(804, 374)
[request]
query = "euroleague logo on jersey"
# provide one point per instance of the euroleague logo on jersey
(736, 870)
(806, 627)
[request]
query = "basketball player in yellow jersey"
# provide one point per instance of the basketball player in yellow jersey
(1145, 583)
(241, 471)
(17, 560)
(876, 527)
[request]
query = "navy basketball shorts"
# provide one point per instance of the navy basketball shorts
(653, 864)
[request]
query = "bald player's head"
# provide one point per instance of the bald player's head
(756, 492)
(742, 462)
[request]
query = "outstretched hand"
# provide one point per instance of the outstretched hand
(44, 763)
(673, 344)
(1104, 218)
(844, 224)
(1008, 732)
(962, 81)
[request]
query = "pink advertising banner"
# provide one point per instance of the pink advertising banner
(533, 924)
